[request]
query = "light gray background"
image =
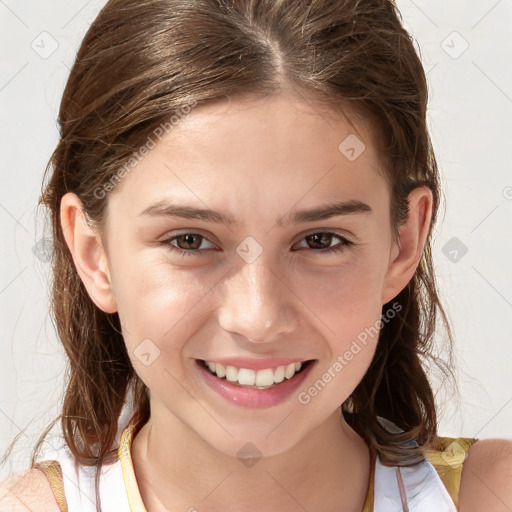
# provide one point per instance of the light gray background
(470, 120)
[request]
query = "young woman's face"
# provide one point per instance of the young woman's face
(264, 285)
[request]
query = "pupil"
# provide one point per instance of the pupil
(188, 241)
(316, 236)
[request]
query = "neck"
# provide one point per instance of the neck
(177, 470)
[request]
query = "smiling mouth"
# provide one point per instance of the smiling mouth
(252, 379)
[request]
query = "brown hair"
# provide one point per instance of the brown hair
(143, 61)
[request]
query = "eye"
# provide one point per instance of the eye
(190, 243)
(324, 238)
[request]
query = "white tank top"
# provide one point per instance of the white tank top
(418, 488)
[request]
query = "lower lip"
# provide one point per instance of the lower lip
(254, 398)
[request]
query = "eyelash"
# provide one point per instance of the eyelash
(344, 244)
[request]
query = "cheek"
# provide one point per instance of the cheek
(346, 297)
(159, 303)
(347, 311)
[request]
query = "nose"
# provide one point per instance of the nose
(257, 303)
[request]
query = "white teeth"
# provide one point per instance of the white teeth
(261, 378)
(220, 370)
(231, 373)
(290, 370)
(279, 374)
(246, 377)
(264, 377)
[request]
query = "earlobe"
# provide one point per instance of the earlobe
(407, 251)
(87, 251)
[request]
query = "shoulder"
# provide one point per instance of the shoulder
(486, 479)
(29, 491)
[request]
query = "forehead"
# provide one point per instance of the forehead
(279, 149)
(280, 122)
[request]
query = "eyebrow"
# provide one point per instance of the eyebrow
(184, 211)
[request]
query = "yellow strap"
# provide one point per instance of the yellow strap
(368, 503)
(134, 497)
(53, 471)
(447, 457)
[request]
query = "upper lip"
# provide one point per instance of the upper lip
(256, 364)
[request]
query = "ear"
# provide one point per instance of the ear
(406, 253)
(87, 251)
